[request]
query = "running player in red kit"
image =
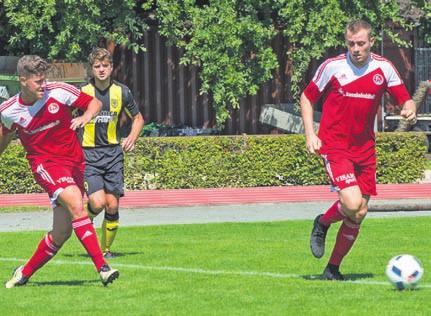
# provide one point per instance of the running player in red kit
(41, 116)
(352, 85)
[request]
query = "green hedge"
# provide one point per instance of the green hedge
(232, 161)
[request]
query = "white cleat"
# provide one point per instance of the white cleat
(108, 275)
(17, 279)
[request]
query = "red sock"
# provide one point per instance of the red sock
(44, 252)
(333, 214)
(86, 234)
(345, 239)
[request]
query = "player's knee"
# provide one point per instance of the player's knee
(359, 216)
(352, 206)
(97, 205)
(112, 209)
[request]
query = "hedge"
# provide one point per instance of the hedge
(231, 161)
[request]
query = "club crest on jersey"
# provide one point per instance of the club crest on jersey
(53, 108)
(114, 103)
(378, 79)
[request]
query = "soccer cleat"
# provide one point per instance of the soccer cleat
(332, 273)
(108, 275)
(17, 279)
(317, 238)
(108, 255)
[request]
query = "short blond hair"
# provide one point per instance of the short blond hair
(100, 54)
(31, 65)
(357, 25)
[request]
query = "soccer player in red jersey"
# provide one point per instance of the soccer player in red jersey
(352, 85)
(41, 117)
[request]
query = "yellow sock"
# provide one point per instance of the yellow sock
(109, 230)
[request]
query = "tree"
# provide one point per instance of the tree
(67, 29)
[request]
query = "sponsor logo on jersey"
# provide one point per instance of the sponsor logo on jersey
(378, 79)
(105, 117)
(358, 95)
(65, 180)
(53, 108)
(42, 128)
(347, 178)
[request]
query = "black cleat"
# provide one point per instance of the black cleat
(317, 238)
(332, 273)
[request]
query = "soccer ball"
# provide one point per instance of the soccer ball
(404, 271)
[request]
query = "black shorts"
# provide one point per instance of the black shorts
(104, 170)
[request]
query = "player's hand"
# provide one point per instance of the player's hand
(409, 115)
(79, 122)
(313, 144)
(128, 144)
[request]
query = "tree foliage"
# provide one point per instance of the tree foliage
(228, 40)
(67, 29)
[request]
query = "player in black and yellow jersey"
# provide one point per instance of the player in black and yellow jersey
(103, 146)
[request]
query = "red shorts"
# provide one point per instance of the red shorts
(54, 177)
(347, 171)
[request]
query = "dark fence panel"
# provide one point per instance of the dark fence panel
(423, 72)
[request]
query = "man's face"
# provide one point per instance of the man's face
(102, 69)
(359, 45)
(32, 87)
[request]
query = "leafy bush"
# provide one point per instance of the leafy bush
(231, 161)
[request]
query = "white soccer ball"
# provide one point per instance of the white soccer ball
(404, 271)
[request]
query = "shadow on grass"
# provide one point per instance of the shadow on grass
(348, 277)
(115, 254)
(65, 283)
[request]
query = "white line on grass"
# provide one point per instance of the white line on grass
(211, 272)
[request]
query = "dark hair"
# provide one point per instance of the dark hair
(31, 65)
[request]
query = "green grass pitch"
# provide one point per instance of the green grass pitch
(222, 269)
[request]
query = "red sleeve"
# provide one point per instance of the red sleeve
(312, 92)
(82, 101)
(400, 93)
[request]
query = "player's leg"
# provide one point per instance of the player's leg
(335, 165)
(114, 187)
(46, 175)
(51, 242)
(354, 197)
(110, 224)
(94, 189)
(355, 206)
(71, 198)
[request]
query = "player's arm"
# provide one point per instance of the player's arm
(93, 108)
(5, 139)
(313, 142)
(128, 143)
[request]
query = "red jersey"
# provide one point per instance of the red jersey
(44, 126)
(352, 96)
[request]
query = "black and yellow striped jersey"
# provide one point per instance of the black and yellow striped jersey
(104, 129)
